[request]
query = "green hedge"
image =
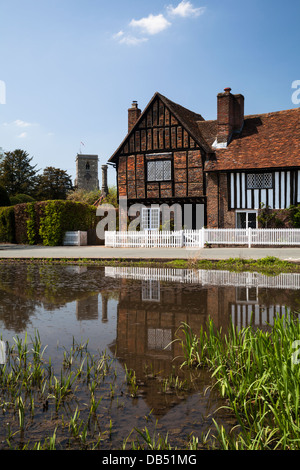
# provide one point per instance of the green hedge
(57, 217)
(7, 225)
(46, 222)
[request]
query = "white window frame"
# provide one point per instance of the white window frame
(150, 218)
(247, 212)
(247, 299)
(151, 290)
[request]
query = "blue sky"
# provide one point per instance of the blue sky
(69, 69)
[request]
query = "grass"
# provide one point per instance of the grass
(73, 404)
(255, 372)
(258, 373)
(269, 265)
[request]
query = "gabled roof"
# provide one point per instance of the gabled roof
(269, 140)
(188, 119)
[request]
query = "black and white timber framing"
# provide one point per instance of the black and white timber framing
(285, 190)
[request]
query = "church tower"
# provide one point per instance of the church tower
(86, 172)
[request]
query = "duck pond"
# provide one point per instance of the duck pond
(92, 356)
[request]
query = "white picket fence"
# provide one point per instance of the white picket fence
(202, 237)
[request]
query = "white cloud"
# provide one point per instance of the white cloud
(185, 9)
(152, 24)
(23, 135)
(155, 24)
(128, 39)
(20, 123)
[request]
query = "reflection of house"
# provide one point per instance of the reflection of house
(153, 304)
(150, 313)
(245, 298)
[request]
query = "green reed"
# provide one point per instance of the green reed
(259, 374)
(29, 385)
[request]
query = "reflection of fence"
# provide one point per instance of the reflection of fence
(243, 315)
(207, 277)
(198, 238)
(2, 352)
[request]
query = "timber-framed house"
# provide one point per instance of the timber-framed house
(218, 172)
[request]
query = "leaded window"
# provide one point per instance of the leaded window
(160, 339)
(259, 181)
(159, 170)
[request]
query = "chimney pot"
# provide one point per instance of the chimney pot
(104, 189)
(133, 115)
(230, 116)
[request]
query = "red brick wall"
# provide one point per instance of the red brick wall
(218, 215)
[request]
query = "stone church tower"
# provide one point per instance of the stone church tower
(87, 172)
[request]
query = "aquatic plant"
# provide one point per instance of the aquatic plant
(256, 372)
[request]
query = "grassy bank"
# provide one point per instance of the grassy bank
(269, 265)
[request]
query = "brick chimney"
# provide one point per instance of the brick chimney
(104, 189)
(230, 117)
(133, 114)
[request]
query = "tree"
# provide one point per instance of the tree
(4, 198)
(54, 183)
(17, 174)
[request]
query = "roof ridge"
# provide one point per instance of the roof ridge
(282, 111)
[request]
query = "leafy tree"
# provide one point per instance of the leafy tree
(17, 174)
(91, 197)
(4, 198)
(54, 183)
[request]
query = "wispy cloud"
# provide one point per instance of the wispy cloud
(154, 24)
(23, 135)
(185, 9)
(19, 126)
(128, 39)
(20, 123)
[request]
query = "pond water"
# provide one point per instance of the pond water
(133, 314)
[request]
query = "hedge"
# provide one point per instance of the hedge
(46, 222)
(7, 225)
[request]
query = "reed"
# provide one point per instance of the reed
(257, 373)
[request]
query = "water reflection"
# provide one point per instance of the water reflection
(2, 352)
(243, 298)
(152, 302)
(135, 313)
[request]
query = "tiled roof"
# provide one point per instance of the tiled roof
(267, 141)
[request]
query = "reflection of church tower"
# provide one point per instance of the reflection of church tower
(87, 309)
(87, 172)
